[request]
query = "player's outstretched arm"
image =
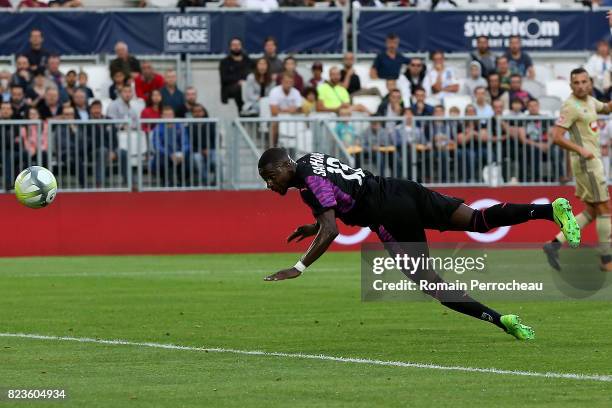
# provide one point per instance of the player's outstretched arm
(558, 133)
(303, 231)
(327, 232)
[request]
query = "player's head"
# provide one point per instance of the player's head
(580, 82)
(277, 169)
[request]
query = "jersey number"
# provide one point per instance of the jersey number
(347, 172)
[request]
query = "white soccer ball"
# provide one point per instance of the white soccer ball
(35, 187)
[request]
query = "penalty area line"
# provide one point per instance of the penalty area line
(365, 361)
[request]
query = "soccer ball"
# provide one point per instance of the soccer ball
(35, 187)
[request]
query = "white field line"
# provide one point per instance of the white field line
(567, 376)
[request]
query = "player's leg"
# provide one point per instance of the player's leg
(602, 222)
(552, 248)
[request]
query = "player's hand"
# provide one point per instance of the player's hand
(302, 232)
(586, 154)
(290, 273)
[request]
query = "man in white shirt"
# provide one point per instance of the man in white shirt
(599, 65)
(441, 81)
(483, 109)
(284, 98)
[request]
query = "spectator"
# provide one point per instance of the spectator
(230, 3)
(520, 62)
(503, 70)
(441, 81)
(234, 69)
(317, 74)
(204, 146)
(71, 83)
(483, 56)
(83, 78)
(36, 91)
(285, 98)
(516, 91)
(69, 148)
(121, 108)
(346, 131)
(440, 136)
(393, 106)
(11, 155)
(37, 55)
(290, 66)
(517, 107)
(191, 100)
(475, 80)
(23, 75)
(415, 75)
(18, 102)
(599, 65)
(191, 3)
(119, 81)
(535, 144)
(332, 95)
(79, 102)
(388, 64)
(54, 74)
(6, 4)
(153, 109)
(309, 103)
(50, 106)
(170, 93)
(128, 64)
(348, 76)
(148, 80)
(483, 109)
(172, 151)
(419, 107)
(65, 3)
(258, 85)
(496, 91)
(35, 139)
(5, 81)
(270, 55)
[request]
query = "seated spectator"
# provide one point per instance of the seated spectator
(415, 76)
(284, 98)
(520, 62)
(419, 107)
(483, 109)
(170, 93)
(204, 146)
(83, 78)
(55, 75)
(390, 84)
(36, 91)
(483, 56)
(18, 102)
(599, 65)
(309, 103)
(348, 76)
(50, 106)
(37, 55)
(388, 64)
(152, 110)
(517, 108)
(535, 144)
(258, 85)
(503, 70)
(10, 153)
(392, 107)
(191, 100)
(346, 132)
(332, 95)
(147, 81)
(270, 55)
(441, 80)
(516, 90)
(172, 147)
(5, 90)
(79, 102)
(128, 64)
(71, 83)
(35, 139)
(233, 70)
(22, 76)
(122, 109)
(496, 91)
(475, 79)
(119, 81)
(317, 74)
(32, 4)
(65, 3)
(290, 66)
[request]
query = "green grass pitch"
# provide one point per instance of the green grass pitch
(222, 301)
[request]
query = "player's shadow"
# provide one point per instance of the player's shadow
(580, 275)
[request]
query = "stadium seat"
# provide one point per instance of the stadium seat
(544, 73)
(379, 84)
(371, 102)
(535, 88)
(562, 70)
(558, 88)
(460, 101)
(551, 104)
(98, 79)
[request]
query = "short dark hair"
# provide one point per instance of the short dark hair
(167, 108)
(434, 52)
(234, 38)
(577, 71)
(417, 88)
(72, 71)
(95, 102)
(532, 100)
(439, 107)
(512, 37)
(482, 36)
(392, 36)
(272, 156)
(14, 85)
(270, 38)
(516, 75)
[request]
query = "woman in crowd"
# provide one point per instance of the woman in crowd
(258, 85)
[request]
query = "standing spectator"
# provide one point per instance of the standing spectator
(121, 108)
(81, 108)
(152, 110)
(483, 109)
(50, 106)
(290, 66)
(520, 62)
(203, 145)
(36, 91)
(71, 83)
(191, 100)
(69, 148)
(171, 151)
(37, 55)
(170, 93)
(348, 76)
(332, 96)
(388, 64)
(83, 78)
(535, 144)
(516, 90)
(8, 147)
(496, 91)
(504, 72)
(119, 81)
(18, 102)
(415, 75)
(128, 64)
(5, 81)
(475, 80)
(419, 107)
(147, 80)
(599, 65)
(317, 74)
(441, 137)
(441, 81)
(233, 70)
(35, 139)
(258, 85)
(483, 56)
(270, 55)
(22, 76)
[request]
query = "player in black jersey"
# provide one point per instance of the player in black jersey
(398, 211)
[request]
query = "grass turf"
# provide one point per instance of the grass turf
(222, 301)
